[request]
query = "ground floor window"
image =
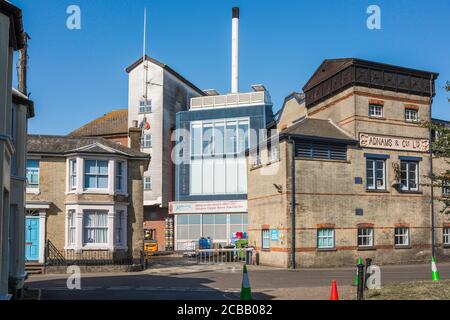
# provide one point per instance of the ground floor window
(401, 237)
(365, 237)
(265, 239)
(95, 227)
(446, 234)
(325, 238)
(72, 228)
(223, 229)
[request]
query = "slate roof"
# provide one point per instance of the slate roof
(317, 129)
(112, 123)
(63, 145)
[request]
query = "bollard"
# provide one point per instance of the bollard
(368, 264)
(360, 288)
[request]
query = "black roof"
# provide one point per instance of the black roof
(317, 129)
(168, 69)
(15, 16)
(63, 145)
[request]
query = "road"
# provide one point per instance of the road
(219, 283)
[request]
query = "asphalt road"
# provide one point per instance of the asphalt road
(218, 284)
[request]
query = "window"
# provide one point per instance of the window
(145, 107)
(215, 226)
(71, 228)
(365, 237)
(95, 174)
(446, 188)
(118, 228)
(401, 237)
(73, 174)
(120, 176)
(188, 227)
(320, 151)
(33, 174)
(266, 239)
(376, 110)
(325, 238)
(216, 164)
(409, 176)
(146, 141)
(376, 174)
(411, 115)
(274, 152)
(147, 183)
(446, 236)
(95, 227)
(238, 223)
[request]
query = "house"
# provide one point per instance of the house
(84, 199)
(349, 180)
(156, 94)
(111, 126)
(15, 110)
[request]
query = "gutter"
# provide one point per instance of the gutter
(293, 202)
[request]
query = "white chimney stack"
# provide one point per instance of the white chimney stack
(235, 52)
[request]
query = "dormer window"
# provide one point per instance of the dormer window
(411, 115)
(95, 174)
(145, 106)
(376, 110)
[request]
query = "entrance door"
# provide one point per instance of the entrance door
(32, 239)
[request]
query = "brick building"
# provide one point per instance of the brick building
(359, 157)
(84, 198)
(112, 126)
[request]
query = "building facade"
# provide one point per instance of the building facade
(211, 169)
(15, 110)
(84, 199)
(351, 177)
(156, 94)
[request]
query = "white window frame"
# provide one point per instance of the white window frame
(72, 228)
(265, 239)
(446, 188)
(407, 186)
(146, 141)
(148, 182)
(79, 210)
(332, 236)
(145, 109)
(446, 236)
(120, 179)
(405, 235)
(364, 235)
(34, 189)
(374, 174)
(96, 174)
(409, 115)
(376, 110)
(73, 174)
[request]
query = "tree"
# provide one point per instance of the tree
(440, 147)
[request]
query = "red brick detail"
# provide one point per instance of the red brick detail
(402, 225)
(326, 226)
(411, 106)
(365, 225)
(265, 226)
(446, 224)
(375, 101)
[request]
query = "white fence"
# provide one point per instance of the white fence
(220, 256)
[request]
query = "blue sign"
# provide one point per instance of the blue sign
(274, 235)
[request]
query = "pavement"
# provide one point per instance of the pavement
(190, 281)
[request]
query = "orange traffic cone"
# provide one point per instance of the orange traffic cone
(334, 291)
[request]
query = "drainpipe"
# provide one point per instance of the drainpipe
(433, 241)
(293, 201)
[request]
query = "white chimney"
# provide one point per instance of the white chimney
(235, 52)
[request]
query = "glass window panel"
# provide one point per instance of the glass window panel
(235, 219)
(208, 176)
(196, 176)
(219, 137)
(220, 232)
(196, 139)
(242, 174)
(231, 176)
(102, 182)
(194, 219)
(243, 136)
(208, 231)
(208, 219)
(230, 136)
(207, 138)
(182, 232)
(219, 175)
(195, 231)
(90, 166)
(183, 220)
(103, 167)
(220, 219)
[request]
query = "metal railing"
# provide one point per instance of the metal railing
(233, 99)
(55, 258)
(220, 256)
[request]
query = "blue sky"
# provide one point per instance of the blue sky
(76, 76)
